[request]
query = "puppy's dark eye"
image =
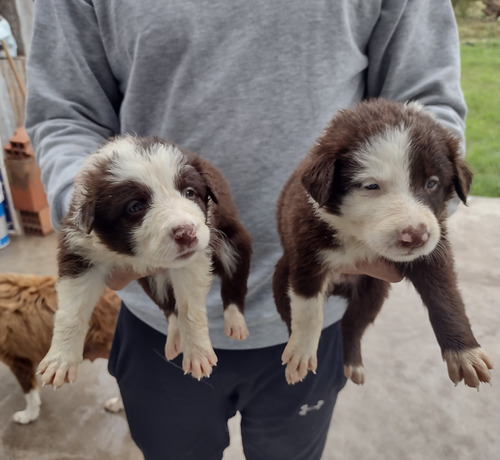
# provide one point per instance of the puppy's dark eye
(372, 187)
(190, 193)
(432, 183)
(135, 206)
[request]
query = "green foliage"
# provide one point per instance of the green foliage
(480, 54)
(468, 8)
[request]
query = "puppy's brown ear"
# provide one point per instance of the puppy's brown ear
(462, 173)
(85, 215)
(318, 177)
(212, 194)
(462, 178)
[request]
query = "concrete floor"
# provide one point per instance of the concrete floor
(407, 409)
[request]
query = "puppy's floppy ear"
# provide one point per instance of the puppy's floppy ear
(318, 177)
(462, 178)
(462, 173)
(212, 194)
(209, 183)
(85, 215)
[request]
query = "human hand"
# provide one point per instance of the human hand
(120, 277)
(381, 269)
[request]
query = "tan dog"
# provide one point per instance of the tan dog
(27, 307)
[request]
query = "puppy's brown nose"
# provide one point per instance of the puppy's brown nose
(413, 238)
(185, 235)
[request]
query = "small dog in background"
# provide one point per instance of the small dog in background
(153, 207)
(375, 186)
(27, 307)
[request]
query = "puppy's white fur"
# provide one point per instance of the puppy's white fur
(369, 224)
(189, 271)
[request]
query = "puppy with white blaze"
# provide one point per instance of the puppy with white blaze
(151, 207)
(375, 186)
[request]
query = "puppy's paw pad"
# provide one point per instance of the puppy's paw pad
(237, 332)
(471, 365)
(24, 417)
(298, 364)
(355, 373)
(234, 323)
(57, 370)
(114, 405)
(199, 362)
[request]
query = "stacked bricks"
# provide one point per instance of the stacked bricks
(26, 186)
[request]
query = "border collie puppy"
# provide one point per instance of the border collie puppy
(375, 186)
(153, 207)
(27, 307)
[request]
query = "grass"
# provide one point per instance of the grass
(480, 52)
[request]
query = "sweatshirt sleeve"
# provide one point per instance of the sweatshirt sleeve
(414, 54)
(72, 97)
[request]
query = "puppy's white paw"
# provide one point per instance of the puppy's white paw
(24, 417)
(355, 373)
(198, 360)
(234, 323)
(299, 361)
(472, 366)
(32, 411)
(114, 404)
(57, 368)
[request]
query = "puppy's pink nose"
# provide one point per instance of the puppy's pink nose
(185, 235)
(413, 238)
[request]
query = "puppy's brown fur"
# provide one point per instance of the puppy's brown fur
(375, 186)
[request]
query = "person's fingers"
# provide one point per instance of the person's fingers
(380, 269)
(121, 277)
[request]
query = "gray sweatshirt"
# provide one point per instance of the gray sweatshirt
(249, 85)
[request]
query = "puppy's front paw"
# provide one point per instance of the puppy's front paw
(355, 373)
(23, 417)
(472, 366)
(299, 361)
(114, 405)
(57, 368)
(234, 323)
(198, 360)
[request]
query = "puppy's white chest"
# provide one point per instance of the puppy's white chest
(346, 256)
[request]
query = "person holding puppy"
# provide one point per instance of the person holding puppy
(249, 86)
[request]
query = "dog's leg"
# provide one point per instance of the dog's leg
(76, 300)
(365, 301)
(435, 280)
(173, 343)
(24, 371)
(232, 264)
(280, 291)
(299, 298)
(307, 321)
(32, 410)
(191, 285)
(159, 288)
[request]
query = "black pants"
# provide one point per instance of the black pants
(172, 416)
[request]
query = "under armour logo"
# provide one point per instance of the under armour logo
(305, 408)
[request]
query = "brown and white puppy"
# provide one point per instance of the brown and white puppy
(153, 207)
(375, 186)
(27, 307)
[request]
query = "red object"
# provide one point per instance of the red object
(36, 223)
(26, 186)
